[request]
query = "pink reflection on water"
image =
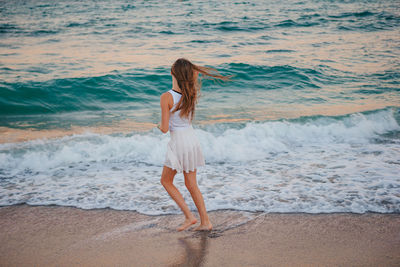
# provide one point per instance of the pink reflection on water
(92, 55)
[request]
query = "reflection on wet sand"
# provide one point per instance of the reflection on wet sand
(195, 251)
(67, 236)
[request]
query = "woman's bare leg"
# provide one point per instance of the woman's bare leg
(167, 179)
(191, 185)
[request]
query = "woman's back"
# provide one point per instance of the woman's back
(175, 121)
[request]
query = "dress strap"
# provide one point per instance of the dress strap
(176, 91)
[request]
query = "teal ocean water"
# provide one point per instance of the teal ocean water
(309, 123)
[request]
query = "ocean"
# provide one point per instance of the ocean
(309, 123)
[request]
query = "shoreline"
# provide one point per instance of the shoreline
(219, 210)
(68, 236)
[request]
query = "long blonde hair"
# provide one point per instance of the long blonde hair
(183, 70)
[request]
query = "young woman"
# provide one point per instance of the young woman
(183, 151)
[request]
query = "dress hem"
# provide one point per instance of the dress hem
(181, 170)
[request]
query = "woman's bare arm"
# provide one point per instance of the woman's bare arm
(165, 103)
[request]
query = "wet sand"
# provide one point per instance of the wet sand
(66, 236)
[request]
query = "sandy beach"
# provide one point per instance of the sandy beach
(67, 236)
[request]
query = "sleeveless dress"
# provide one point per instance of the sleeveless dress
(184, 152)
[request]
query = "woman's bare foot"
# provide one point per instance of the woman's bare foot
(187, 223)
(204, 227)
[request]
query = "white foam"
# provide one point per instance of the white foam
(322, 165)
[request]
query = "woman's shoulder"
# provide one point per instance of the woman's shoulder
(166, 94)
(167, 98)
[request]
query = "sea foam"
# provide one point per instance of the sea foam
(322, 164)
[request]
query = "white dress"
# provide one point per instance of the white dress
(183, 150)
